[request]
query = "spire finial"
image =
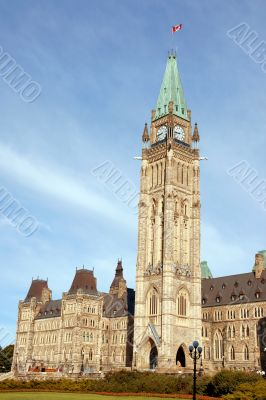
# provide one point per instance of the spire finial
(196, 136)
(145, 135)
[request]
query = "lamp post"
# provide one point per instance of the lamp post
(195, 353)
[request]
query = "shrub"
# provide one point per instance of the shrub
(222, 383)
(226, 381)
(246, 391)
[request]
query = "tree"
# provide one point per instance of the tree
(6, 356)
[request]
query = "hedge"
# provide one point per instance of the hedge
(222, 383)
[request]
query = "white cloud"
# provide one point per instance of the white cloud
(49, 181)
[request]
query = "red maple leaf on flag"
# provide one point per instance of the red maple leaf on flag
(176, 28)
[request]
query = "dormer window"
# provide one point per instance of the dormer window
(257, 295)
(249, 283)
(233, 297)
(236, 284)
(211, 288)
(218, 299)
(241, 296)
(203, 301)
(223, 286)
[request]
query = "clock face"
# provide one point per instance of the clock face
(179, 133)
(162, 132)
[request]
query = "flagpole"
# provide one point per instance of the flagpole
(175, 28)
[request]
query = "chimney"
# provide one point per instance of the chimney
(259, 266)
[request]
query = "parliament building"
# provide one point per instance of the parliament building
(176, 299)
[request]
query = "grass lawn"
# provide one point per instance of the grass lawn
(67, 396)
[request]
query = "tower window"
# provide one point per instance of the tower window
(183, 110)
(232, 353)
(176, 108)
(153, 302)
(218, 346)
(182, 303)
(246, 353)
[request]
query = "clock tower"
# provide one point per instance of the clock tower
(168, 277)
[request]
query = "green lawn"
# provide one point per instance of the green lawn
(67, 396)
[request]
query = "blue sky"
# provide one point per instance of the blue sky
(100, 66)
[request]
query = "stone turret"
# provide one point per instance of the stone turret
(145, 135)
(119, 285)
(259, 266)
(196, 136)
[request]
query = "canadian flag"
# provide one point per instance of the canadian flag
(176, 28)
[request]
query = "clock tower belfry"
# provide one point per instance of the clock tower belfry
(168, 277)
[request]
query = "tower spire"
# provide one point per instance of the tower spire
(171, 91)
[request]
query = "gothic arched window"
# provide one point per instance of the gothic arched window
(218, 346)
(153, 302)
(232, 353)
(182, 303)
(246, 353)
(229, 333)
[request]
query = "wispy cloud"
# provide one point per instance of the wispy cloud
(49, 181)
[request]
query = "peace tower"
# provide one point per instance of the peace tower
(168, 276)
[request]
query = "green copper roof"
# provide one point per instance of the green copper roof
(205, 270)
(171, 90)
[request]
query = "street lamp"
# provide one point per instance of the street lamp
(195, 353)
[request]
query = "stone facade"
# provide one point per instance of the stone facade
(234, 323)
(177, 300)
(84, 332)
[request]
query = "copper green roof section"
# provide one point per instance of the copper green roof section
(171, 90)
(205, 270)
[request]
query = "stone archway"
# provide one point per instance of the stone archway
(180, 357)
(153, 357)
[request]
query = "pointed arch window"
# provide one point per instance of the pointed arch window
(218, 346)
(242, 331)
(229, 332)
(233, 332)
(232, 353)
(153, 302)
(182, 303)
(246, 353)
